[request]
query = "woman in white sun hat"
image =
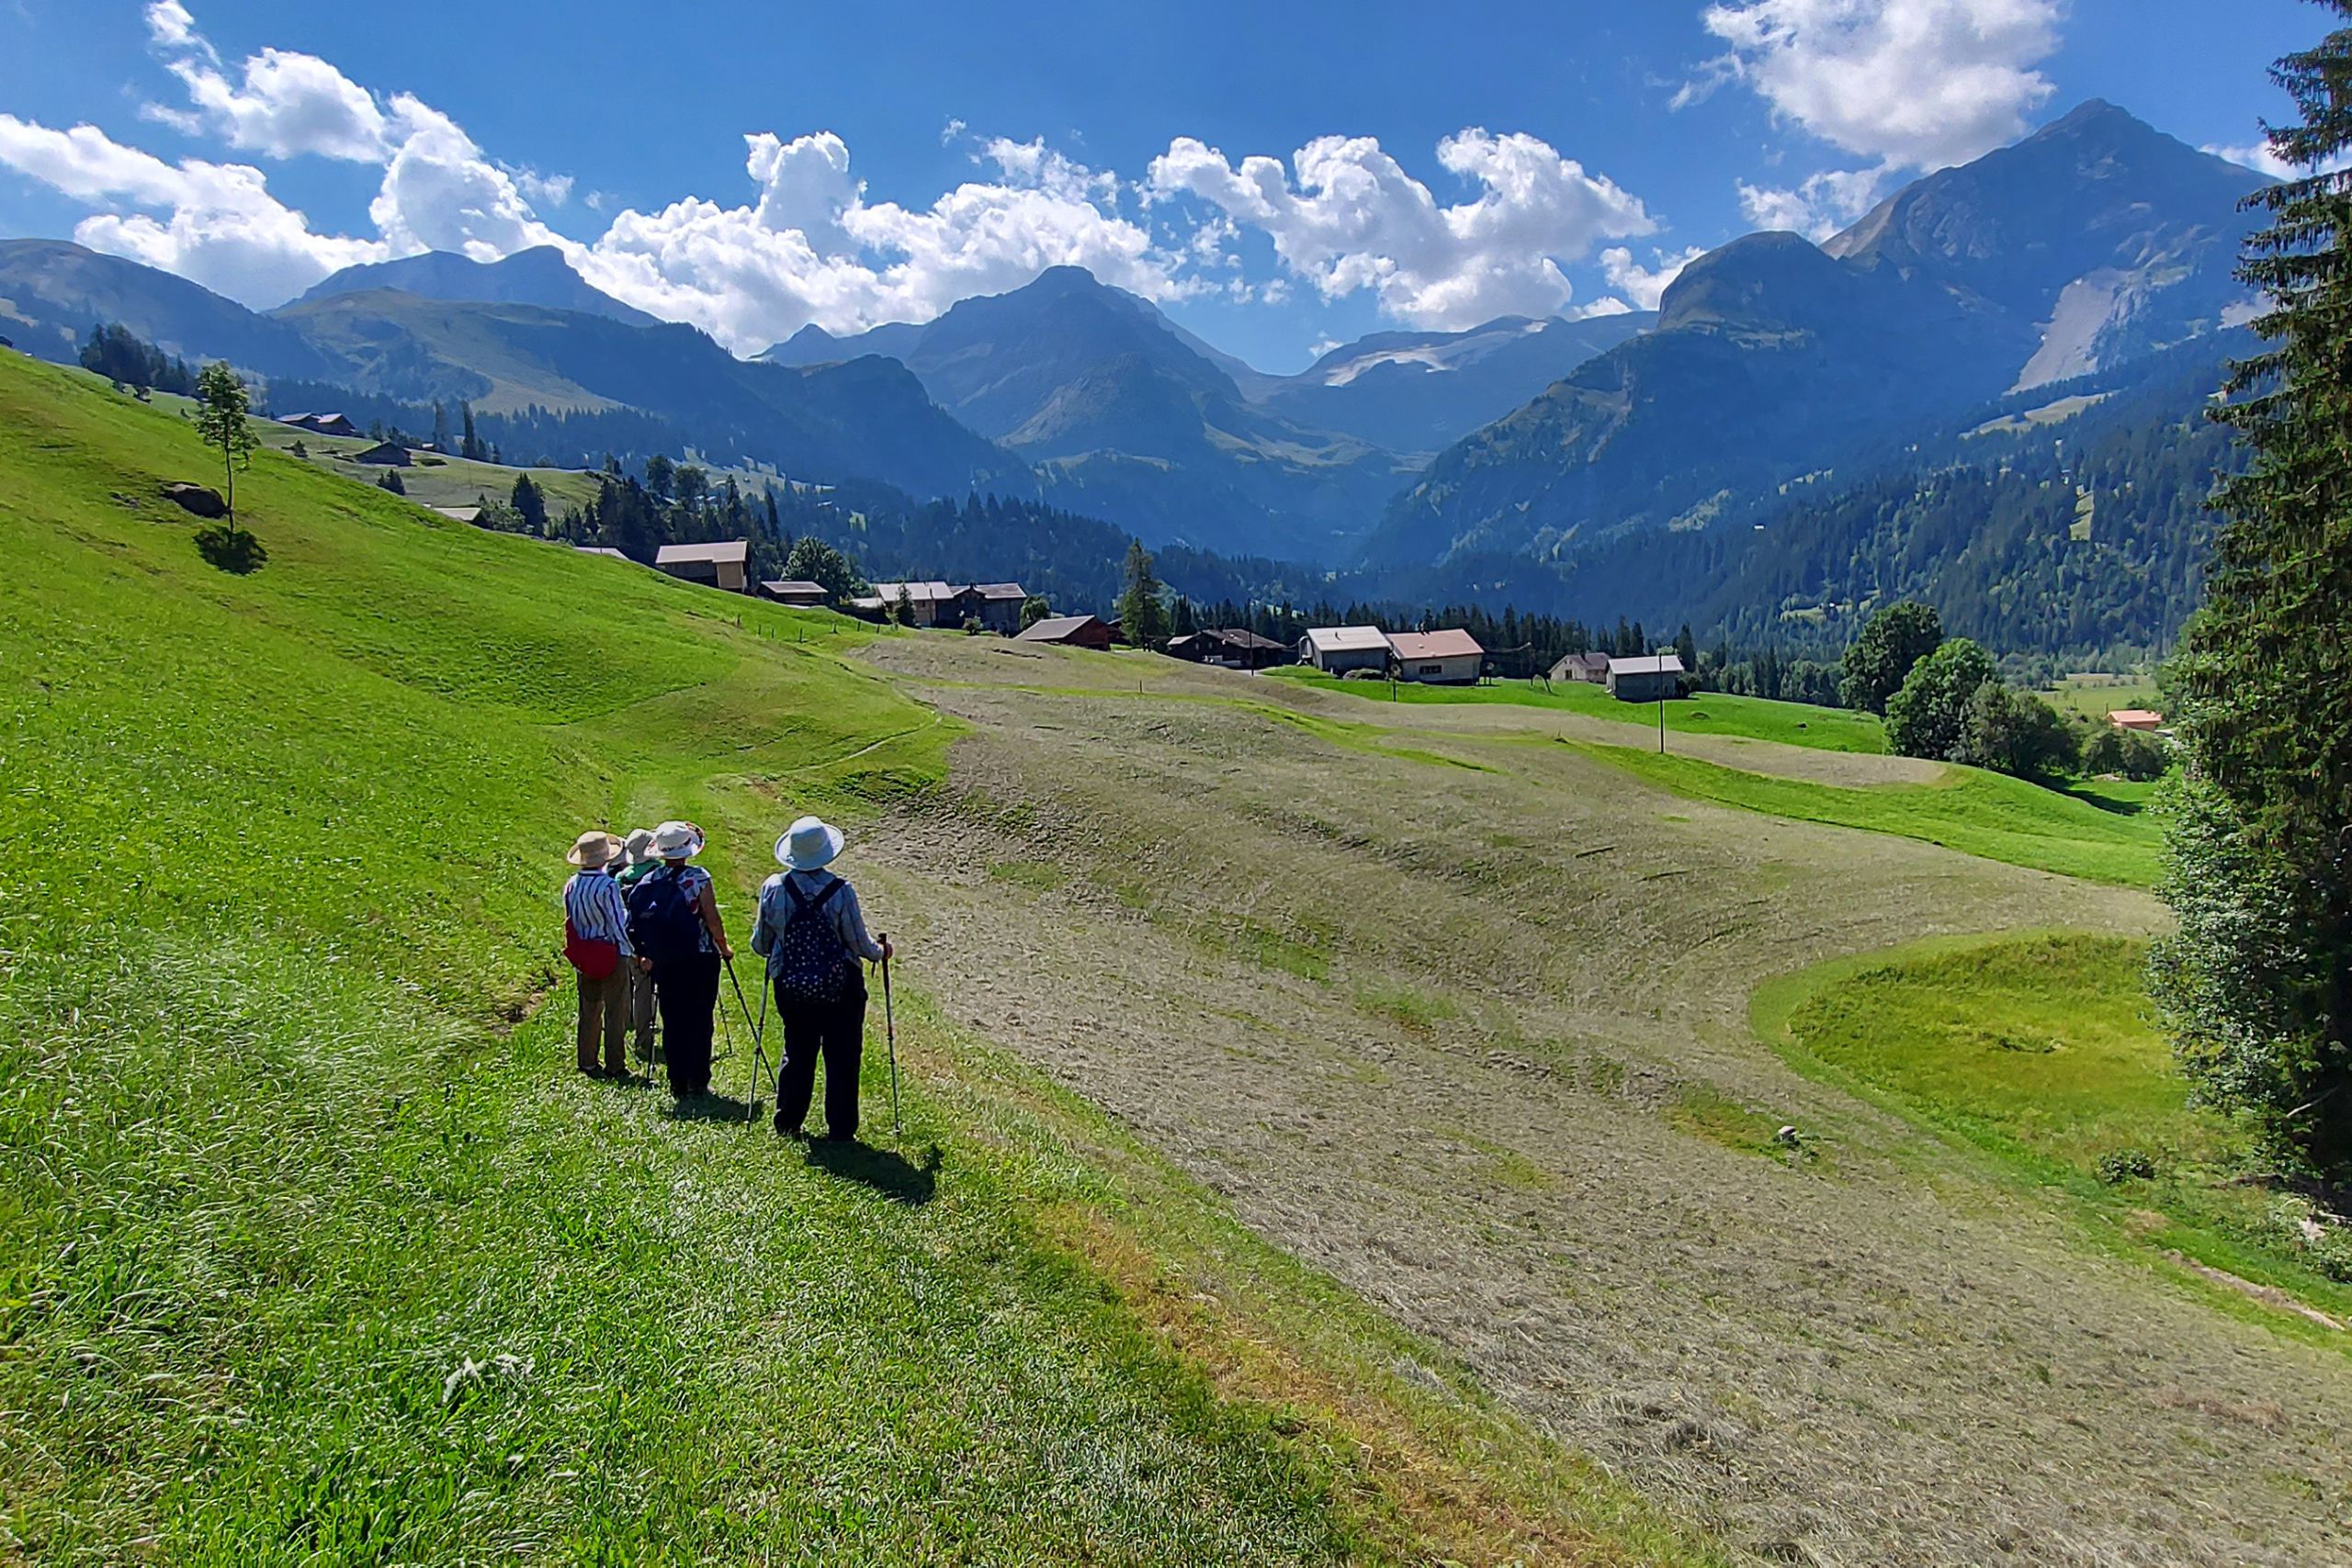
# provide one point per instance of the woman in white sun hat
(812, 933)
(674, 928)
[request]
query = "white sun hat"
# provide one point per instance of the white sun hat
(677, 840)
(807, 845)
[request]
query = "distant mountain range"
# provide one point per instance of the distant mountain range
(1520, 459)
(536, 277)
(2094, 241)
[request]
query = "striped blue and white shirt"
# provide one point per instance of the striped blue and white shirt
(592, 902)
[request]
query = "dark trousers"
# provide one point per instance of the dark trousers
(837, 1033)
(688, 992)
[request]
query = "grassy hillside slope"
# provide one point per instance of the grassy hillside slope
(313, 1250)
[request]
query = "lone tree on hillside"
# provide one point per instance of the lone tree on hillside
(1929, 717)
(1143, 614)
(220, 423)
(2255, 987)
(1895, 639)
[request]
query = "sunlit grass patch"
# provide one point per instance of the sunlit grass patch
(1706, 713)
(2042, 1052)
(1974, 812)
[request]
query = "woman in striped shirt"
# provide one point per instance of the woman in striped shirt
(593, 906)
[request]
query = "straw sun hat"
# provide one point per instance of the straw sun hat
(594, 848)
(677, 840)
(807, 845)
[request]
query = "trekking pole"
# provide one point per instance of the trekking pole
(890, 1033)
(758, 1054)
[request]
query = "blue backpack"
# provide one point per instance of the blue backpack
(663, 924)
(809, 963)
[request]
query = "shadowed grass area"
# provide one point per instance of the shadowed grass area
(307, 1255)
(1975, 812)
(2042, 1052)
(1709, 713)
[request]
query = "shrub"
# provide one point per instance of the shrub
(2129, 753)
(2120, 1166)
(2017, 733)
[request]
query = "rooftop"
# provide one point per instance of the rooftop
(1452, 643)
(736, 550)
(1647, 664)
(1052, 627)
(1348, 640)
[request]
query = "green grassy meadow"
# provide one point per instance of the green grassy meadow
(431, 479)
(2102, 832)
(2096, 696)
(1709, 713)
(312, 1246)
(2042, 1051)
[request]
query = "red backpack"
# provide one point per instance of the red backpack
(596, 959)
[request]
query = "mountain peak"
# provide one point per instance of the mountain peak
(541, 276)
(2089, 112)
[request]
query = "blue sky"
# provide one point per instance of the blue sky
(1276, 175)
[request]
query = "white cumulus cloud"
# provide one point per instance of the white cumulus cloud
(1911, 85)
(222, 228)
(1346, 216)
(1643, 287)
(1820, 206)
(811, 248)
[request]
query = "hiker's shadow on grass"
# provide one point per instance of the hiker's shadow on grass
(710, 1108)
(885, 1170)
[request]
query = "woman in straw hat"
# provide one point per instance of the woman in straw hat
(812, 933)
(673, 923)
(595, 939)
(637, 863)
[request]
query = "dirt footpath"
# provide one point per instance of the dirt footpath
(1424, 1006)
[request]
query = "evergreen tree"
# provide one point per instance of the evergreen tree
(1143, 614)
(440, 427)
(391, 479)
(1882, 659)
(220, 423)
(2255, 985)
(530, 505)
(470, 445)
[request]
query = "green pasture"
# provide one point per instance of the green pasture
(2102, 832)
(1709, 713)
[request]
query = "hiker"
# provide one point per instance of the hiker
(596, 943)
(812, 933)
(637, 861)
(673, 924)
